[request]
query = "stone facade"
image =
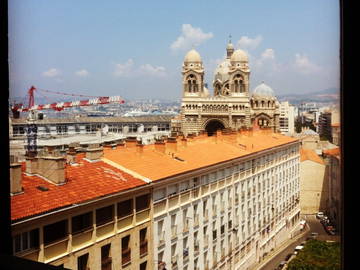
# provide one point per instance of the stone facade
(232, 106)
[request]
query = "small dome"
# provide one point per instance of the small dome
(263, 90)
(239, 56)
(230, 46)
(192, 56)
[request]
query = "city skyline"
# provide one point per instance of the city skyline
(126, 48)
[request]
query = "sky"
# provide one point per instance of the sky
(135, 49)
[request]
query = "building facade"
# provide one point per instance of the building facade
(220, 202)
(84, 215)
(232, 106)
(313, 182)
(287, 118)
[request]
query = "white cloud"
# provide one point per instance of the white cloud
(304, 65)
(124, 70)
(268, 54)
(53, 72)
(129, 69)
(190, 37)
(249, 43)
(151, 70)
(82, 73)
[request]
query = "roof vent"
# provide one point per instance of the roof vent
(42, 188)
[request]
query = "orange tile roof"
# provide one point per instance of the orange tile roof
(85, 182)
(332, 152)
(200, 152)
(308, 154)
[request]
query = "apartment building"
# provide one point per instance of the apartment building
(220, 202)
(287, 118)
(80, 212)
(50, 127)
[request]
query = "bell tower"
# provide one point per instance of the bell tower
(193, 75)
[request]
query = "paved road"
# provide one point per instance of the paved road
(315, 226)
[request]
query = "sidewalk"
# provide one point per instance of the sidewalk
(280, 249)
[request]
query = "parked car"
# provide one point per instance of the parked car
(319, 215)
(330, 230)
(281, 265)
(298, 248)
(314, 235)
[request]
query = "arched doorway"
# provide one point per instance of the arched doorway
(212, 126)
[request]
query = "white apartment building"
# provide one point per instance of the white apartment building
(226, 210)
(287, 118)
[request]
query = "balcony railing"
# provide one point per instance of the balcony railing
(161, 239)
(125, 257)
(143, 248)
(106, 263)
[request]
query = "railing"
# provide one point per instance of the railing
(161, 239)
(106, 263)
(125, 256)
(143, 248)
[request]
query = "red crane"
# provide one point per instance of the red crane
(59, 106)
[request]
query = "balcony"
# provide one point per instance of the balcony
(143, 248)
(174, 260)
(195, 193)
(206, 215)
(125, 257)
(204, 189)
(161, 239)
(55, 249)
(196, 248)
(196, 220)
(186, 226)
(106, 263)
(173, 231)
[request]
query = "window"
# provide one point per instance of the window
(81, 223)
(143, 266)
(55, 231)
(105, 257)
(125, 250)
(142, 202)
(125, 208)
(104, 215)
(143, 242)
(82, 262)
(26, 241)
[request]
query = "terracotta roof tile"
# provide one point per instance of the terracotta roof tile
(200, 152)
(308, 154)
(85, 182)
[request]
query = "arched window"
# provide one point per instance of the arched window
(238, 83)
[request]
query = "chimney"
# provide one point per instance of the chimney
(94, 151)
(15, 176)
(160, 146)
(31, 164)
(171, 144)
(71, 154)
(131, 142)
(51, 165)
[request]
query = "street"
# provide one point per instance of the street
(315, 226)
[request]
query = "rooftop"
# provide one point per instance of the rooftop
(87, 181)
(199, 152)
(308, 154)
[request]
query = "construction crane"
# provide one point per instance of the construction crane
(33, 109)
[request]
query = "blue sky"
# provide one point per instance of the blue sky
(135, 49)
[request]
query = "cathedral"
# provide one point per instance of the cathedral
(231, 106)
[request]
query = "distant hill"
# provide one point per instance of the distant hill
(326, 95)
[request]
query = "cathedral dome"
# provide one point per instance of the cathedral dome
(222, 71)
(192, 56)
(263, 90)
(239, 56)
